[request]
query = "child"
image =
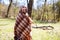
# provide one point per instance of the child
(22, 26)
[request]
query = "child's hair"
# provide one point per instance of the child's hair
(22, 8)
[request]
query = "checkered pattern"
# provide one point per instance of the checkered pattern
(22, 27)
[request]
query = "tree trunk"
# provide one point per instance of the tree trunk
(44, 10)
(8, 9)
(54, 11)
(30, 4)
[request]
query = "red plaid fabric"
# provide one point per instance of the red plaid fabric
(22, 27)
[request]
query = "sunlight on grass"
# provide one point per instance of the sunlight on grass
(38, 34)
(7, 31)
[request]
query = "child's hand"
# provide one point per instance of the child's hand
(31, 21)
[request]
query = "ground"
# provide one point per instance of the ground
(7, 31)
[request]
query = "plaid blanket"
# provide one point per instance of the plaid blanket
(22, 27)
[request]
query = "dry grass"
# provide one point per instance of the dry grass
(7, 29)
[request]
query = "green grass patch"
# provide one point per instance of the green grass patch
(7, 31)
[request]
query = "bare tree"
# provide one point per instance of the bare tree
(44, 10)
(54, 10)
(58, 10)
(8, 8)
(30, 4)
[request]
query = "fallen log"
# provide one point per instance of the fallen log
(44, 27)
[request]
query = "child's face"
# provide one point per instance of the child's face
(24, 10)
